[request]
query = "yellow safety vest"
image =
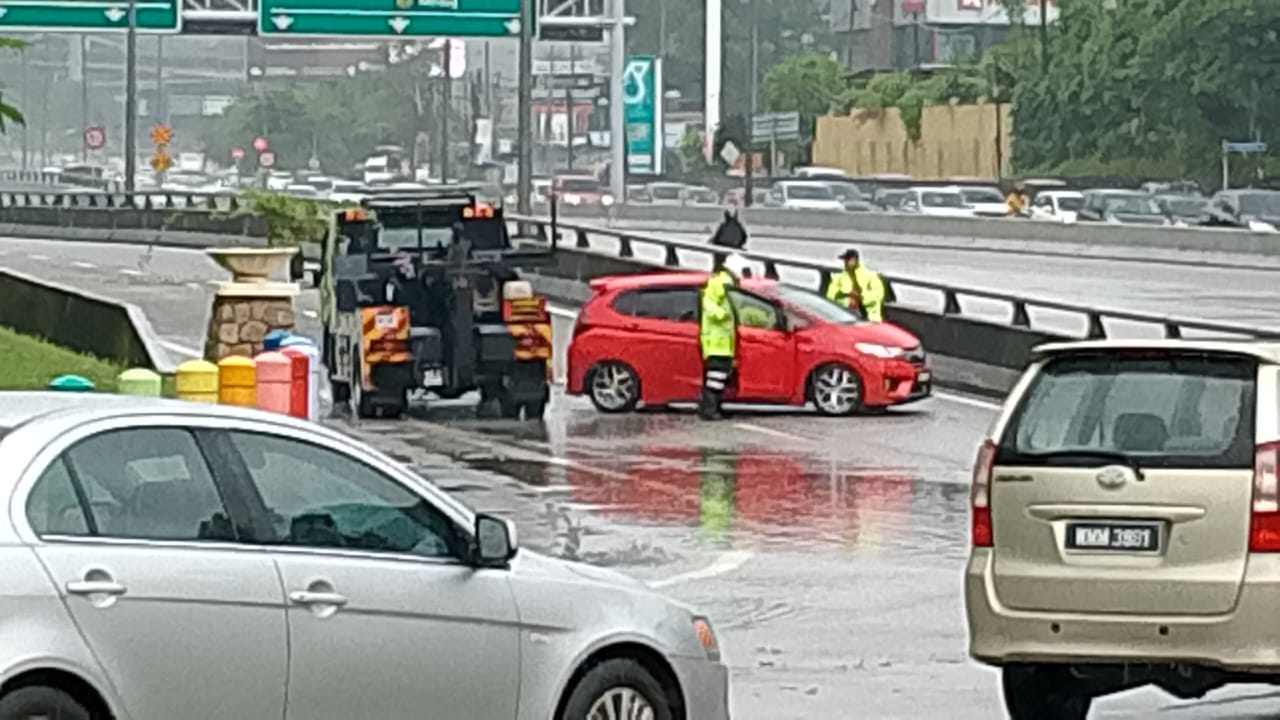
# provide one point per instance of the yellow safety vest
(866, 285)
(718, 326)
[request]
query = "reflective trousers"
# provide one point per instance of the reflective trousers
(717, 373)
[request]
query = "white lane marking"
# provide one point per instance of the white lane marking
(726, 563)
(191, 353)
(41, 258)
(770, 431)
(130, 271)
(83, 264)
(970, 401)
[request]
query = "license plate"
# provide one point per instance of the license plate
(1122, 537)
(432, 378)
(924, 377)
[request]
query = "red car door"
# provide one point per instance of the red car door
(766, 351)
(661, 341)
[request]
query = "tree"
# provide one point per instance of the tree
(1159, 79)
(9, 113)
(808, 83)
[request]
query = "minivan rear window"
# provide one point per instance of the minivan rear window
(1180, 410)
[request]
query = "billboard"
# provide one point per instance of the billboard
(983, 12)
(642, 100)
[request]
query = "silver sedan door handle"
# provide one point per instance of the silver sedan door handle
(95, 587)
(307, 597)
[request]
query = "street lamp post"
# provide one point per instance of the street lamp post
(131, 100)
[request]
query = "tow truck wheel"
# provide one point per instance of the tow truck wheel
(361, 404)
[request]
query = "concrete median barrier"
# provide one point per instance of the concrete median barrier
(88, 323)
(176, 227)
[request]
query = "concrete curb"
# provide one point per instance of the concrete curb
(81, 321)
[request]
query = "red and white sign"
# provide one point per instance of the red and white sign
(267, 159)
(237, 153)
(260, 144)
(95, 137)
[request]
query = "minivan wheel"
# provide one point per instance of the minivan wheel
(37, 702)
(836, 389)
(1044, 692)
(617, 688)
(613, 387)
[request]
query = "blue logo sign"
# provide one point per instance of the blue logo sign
(642, 100)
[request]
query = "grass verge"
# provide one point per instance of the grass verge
(28, 363)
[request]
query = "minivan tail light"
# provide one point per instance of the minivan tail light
(1264, 519)
(980, 494)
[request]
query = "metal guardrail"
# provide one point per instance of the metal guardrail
(102, 199)
(1019, 307)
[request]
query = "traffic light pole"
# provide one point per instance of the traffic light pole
(131, 100)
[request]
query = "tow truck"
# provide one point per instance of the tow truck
(420, 294)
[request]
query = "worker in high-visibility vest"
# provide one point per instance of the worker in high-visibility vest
(718, 331)
(858, 288)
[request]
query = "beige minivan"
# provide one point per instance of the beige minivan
(1126, 524)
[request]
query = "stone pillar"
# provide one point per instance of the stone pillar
(250, 306)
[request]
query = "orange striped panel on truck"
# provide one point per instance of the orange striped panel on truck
(384, 335)
(533, 340)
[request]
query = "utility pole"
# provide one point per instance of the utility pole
(712, 74)
(617, 108)
(162, 109)
(448, 107)
(26, 102)
(662, 29)
(570, 115)
(524, 180)
(84, 95)
(131, 100)
(749, 165)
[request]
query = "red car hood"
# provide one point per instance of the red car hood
(886, 334)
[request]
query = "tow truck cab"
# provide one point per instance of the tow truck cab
(419, 292)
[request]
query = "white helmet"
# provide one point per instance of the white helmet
(735, 264)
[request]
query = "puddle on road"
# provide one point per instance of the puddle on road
(751, 498)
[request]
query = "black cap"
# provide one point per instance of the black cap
(850, 254)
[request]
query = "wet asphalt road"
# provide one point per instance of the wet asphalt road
(1223, 294)
(827, 552)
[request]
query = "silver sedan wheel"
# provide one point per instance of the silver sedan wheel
(837, 390)
(621, 703)
(613, 387)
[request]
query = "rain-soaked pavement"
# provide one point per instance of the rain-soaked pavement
(827, 552)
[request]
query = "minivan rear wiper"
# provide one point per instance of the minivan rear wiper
(1107, 456)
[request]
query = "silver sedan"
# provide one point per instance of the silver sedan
(173, 560)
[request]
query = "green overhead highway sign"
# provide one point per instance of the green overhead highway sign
(388, 18)
(154, 16)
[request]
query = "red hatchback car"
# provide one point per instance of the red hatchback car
(636, 341)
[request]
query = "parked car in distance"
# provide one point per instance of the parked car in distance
(636, 342)
(734, 197)
(985, 200)
(803, 195)
(1056, 206)
(1126, 207)
(639, 194)
(1256, 210)
(1125, 524)
(936, 202)
(667, 193)
(698, 195)
(580, 191)
(303, 569)
(819, 172)
(1183, 210)
(849, 194)
(888, 199)
(1173, 187)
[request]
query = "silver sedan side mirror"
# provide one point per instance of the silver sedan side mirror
(495, 541)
